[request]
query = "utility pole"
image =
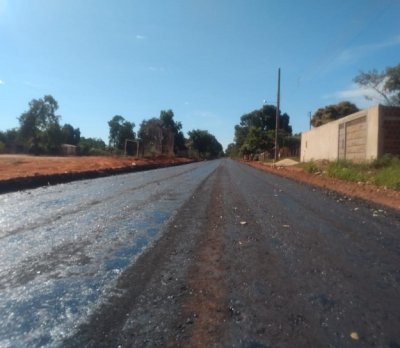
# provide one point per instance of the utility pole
(277, 115)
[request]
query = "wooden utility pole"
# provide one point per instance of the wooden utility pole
(277, 115)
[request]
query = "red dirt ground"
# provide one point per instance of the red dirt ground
(21, 166)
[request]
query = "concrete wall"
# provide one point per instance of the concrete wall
(373, 132)
(357, 137)
(320, 143)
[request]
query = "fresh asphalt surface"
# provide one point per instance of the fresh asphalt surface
(207, 254)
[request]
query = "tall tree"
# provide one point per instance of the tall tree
(120, 130)
(37, 121)
(333, 112)
(53, 138)
(151, 134)
(232, 150)
(258, 140)
(169, 129)
(173, 138)
(255, 133)
(162, 135)
(168, 122)
(70, 135)
(385, 83)
(204, 143)
(9, 139)
(265, 119)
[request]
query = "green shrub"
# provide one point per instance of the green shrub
(385, 161)
(310, 167)
(389, 177)
(97, 152)
(345, 170)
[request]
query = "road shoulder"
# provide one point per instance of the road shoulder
(379, 195)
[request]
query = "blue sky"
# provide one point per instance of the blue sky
(210, 61)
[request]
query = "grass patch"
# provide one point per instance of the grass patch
(388, 172)
(389, 177)
(346, 170)
(384, 171)
(310, 167)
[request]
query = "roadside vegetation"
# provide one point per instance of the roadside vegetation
(255, 135)
(384, 171)
(41, 133)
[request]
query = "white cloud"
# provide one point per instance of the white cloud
(357, 52)
(355, 92)
(2, 82)
(140, 37)
(356, 95)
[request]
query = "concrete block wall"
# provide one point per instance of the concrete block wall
(362, 136)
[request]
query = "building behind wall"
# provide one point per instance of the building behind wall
(362, 136)
(69, 150)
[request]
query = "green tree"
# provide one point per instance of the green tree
(173, 138)
(37, 121)
(333, 112)
(70, 135)
(162, 135)
(171, 130)
(385, 83)
(256, 131)
(120, 130)
(257, 140)
(91, 146)
(232, 150)
(151, 134)
(168, 122)
(205, 144)
(52, 138)
(265, 119)
(2, 141)
(180, 143)
(9, 139)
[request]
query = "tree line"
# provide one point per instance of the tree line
(255, 134)
(162, 135)
(40, 132)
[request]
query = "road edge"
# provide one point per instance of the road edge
(31, 182)
(376, 195)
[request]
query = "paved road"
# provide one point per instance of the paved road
(207, 254)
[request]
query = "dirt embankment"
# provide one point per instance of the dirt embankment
(383, 196)
(22, 171)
